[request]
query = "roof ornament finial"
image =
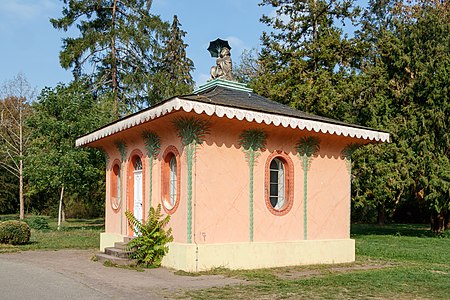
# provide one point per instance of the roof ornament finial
(224, 65)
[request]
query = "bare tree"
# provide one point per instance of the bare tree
(15, 98)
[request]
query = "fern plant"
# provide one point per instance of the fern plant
(150, 246)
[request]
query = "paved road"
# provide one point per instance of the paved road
(22, 281)
(70, 274)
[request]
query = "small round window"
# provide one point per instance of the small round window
(279, 183)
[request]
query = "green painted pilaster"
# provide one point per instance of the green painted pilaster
(251, 164)
(305, 197)
(190, 156)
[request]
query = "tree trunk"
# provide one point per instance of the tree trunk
(114, 62)
(438, 222)
(381, 218)
(447, 219)
(60, 207)
(21, 202)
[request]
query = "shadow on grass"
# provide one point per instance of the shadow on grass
(413, 230)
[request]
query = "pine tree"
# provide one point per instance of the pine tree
(118, 47)
(306, 58)
(175, 67)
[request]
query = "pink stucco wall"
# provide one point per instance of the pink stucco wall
(221, 184)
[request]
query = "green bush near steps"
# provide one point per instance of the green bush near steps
(14, 232)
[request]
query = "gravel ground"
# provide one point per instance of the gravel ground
(71, 274)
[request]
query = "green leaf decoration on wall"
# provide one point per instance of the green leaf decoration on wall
(122, 147)
(347, 153)
(306, 147)
(192, 132)
(253, 141)
(153, 145)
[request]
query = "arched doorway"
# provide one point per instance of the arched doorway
(137, 193)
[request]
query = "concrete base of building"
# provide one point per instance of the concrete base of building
(108, 240)
(257, 255)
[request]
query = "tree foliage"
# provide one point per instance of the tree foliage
(306, 59)
(406, 92)
(174, 69)
(118, 48)
(60, 116)
(392, 75)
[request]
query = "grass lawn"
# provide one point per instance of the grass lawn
(74, 233)
(393, 262)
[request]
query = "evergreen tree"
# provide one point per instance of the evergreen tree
(405, 79)
(174, 72)
(118, 46)
(306, 58)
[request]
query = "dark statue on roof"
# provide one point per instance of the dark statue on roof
(224, 65)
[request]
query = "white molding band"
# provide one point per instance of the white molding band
(177, 104)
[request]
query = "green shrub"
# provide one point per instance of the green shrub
(150, 246)
(37, 222)
(14, 232)
(8, 217)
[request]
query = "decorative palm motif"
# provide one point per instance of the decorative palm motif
(253, 141)
(192, 132)
(153, 146)
(347, 155)
(306, 147)
(122, 147)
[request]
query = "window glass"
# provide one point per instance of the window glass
(138, 164)
(173, 180)
(277, 194)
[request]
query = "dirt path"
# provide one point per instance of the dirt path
(114, 283)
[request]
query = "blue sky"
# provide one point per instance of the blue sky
(29, 44)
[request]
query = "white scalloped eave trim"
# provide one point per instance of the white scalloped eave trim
(177, 104)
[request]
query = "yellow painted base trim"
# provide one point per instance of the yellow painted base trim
(108, 240)
(257, 255)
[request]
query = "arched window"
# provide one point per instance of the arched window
(277, 194)
(115, 189)
(279, 188)
(170, 179)
(173, 180)
(138, 164)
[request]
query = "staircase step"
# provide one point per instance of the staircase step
(102, 257)
(122, 253)
(120, 245)
(128, 238)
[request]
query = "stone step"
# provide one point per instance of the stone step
(102, 257)
(120, 245)
(122, 253)
(128, 238)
